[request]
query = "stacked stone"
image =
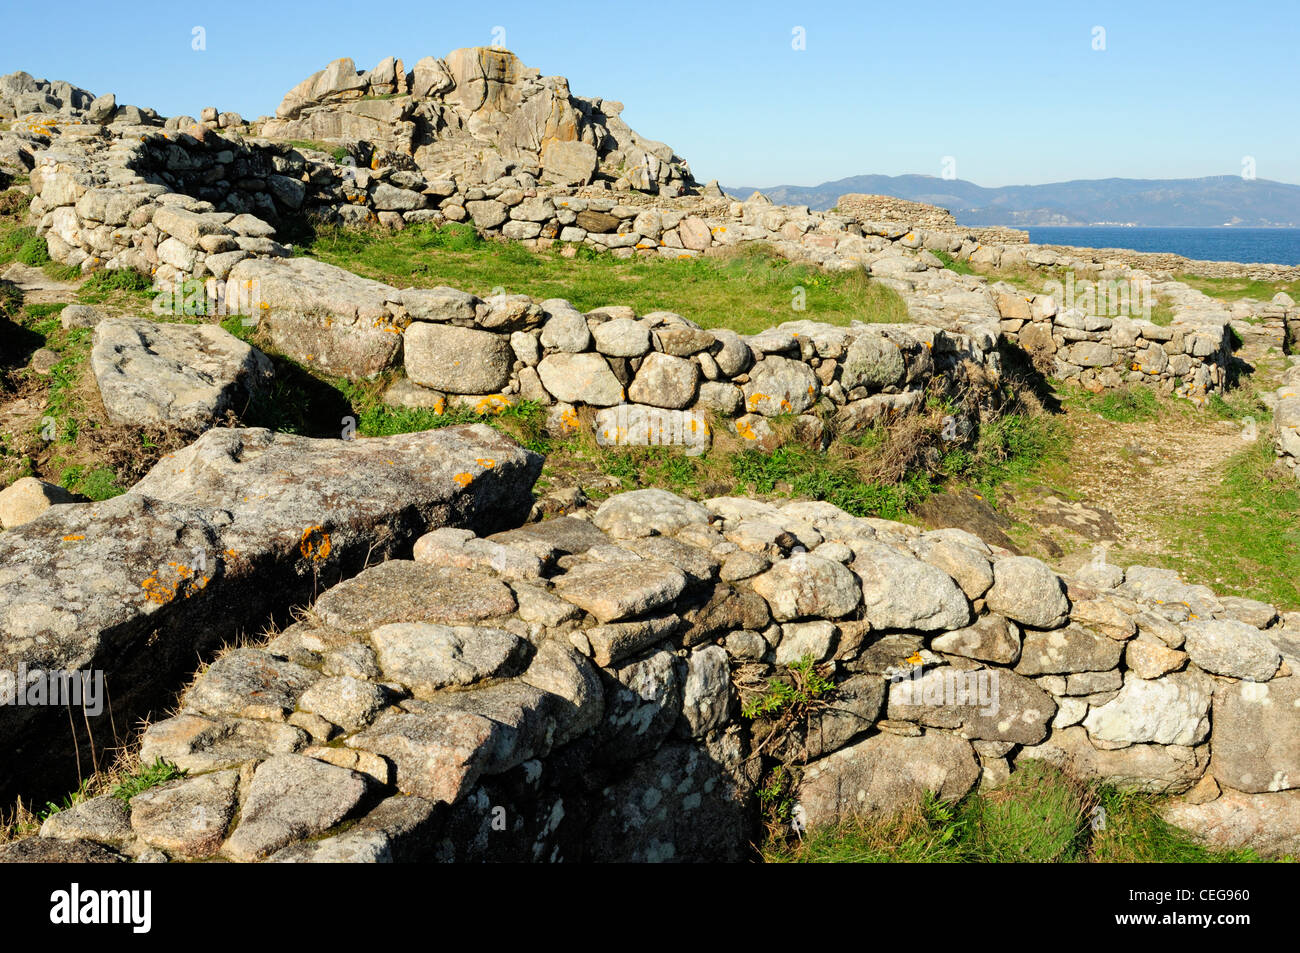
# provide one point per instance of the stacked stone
(1189, 356)
(97, 211)
(178, 204)
(460, 350)
(1262, 325)
(1168, 264)
(571, 690)
(1286, 417)
(216, 539)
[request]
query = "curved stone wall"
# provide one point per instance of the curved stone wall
(572, 690)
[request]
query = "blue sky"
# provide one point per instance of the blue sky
(1014, 93)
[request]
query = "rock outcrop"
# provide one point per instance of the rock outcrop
(478, 114)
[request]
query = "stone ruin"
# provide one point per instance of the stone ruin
(443, 680)
(572, 689)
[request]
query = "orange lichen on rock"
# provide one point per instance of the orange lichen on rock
(315, 544)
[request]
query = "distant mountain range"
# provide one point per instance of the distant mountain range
(1213, 200)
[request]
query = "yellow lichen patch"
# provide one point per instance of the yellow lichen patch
(756, 399)
(913, 659)
(156, 591)
(70, 539)
(485, 462)
(746, 430)
(492, 404)
(463, 479)
(315, 544)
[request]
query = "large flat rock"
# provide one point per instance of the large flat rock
(216, 539)
(322, 315)
(174, 375)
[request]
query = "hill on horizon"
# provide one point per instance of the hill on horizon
(1202, 202)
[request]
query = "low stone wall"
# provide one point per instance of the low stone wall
(1098, 351)
(217, 539)
(1090, 323)
(572, 690)
(1286, 418)
(659, 368)
(184, 207)
(1166, 264)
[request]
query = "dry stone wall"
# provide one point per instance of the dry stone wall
(1286, 417)
(648, 376)
(217, 539)
(571, 690)
(183, 207)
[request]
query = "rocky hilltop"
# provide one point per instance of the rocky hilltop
(480, 113)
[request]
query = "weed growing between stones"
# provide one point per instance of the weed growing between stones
(954, 264)
(782, 709)
(144, 778)
(1040, 815)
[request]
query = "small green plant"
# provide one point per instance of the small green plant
(954, 264)
(69, 801)
(146, 777)
(793, 697)
(776, 797)
(34, 251)
(100, 483)
(102, 284)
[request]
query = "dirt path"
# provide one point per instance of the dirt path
(1127, 484)
(38, 287)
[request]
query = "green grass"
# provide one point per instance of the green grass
(1125, 405)
(1231, 289)
(337, 153)
(1247, 541)
(955, 264)
(1162, 313)
(95, 483)
(315, 145)
(1040, 815)
(884, 471)
(1136, 833)
(748, 291)
(146, 777)
(63, 401)
(103, 285)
